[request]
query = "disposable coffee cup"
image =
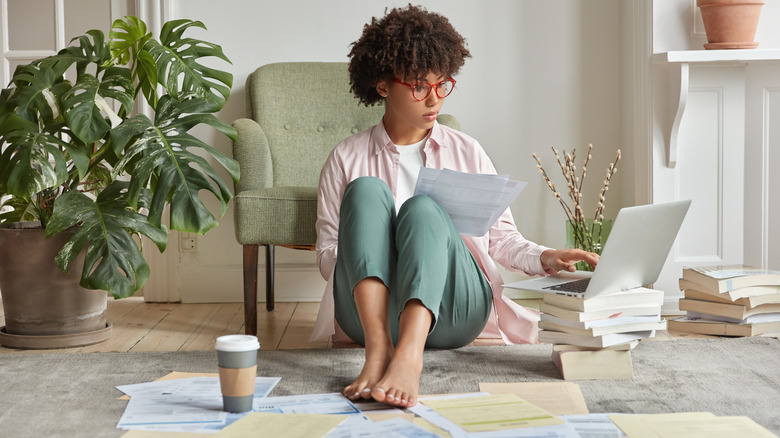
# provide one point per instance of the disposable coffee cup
(237, 360)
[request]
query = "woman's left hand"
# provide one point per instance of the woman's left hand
(556, 260)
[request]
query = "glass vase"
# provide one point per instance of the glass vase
(589, 236)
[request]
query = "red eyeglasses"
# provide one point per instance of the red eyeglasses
(421, 90)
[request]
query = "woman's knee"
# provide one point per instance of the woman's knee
(367, 187)
(367, 200)
(423, 210)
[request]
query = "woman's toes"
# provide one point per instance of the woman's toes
(379, 394)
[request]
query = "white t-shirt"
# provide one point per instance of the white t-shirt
(410, 164)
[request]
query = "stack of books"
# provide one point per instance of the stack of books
(592, 337)
(731, 300)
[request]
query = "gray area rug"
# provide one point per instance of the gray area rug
(73, 395)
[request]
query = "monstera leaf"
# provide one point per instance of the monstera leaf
(113, 259)
(180, 73)
(165, 152)
(20, 210)
(37, 88)
(33, 161)
(85, 104)
(127, 38)
(127, 44)
(86, 53)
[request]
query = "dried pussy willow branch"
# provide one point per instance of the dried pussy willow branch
(574, 183)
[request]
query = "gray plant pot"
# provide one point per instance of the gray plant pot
(44, 306)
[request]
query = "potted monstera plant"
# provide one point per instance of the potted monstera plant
(82, 164)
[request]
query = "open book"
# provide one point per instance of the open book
(474, 201)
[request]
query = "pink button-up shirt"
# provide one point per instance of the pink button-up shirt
(372, 153)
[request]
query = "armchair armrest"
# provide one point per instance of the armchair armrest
(448, 120)
(253, 155)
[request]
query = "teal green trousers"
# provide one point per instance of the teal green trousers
(418, 254)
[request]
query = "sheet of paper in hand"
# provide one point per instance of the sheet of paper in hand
(474, 201)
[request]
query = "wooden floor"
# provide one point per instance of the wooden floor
(140, 326)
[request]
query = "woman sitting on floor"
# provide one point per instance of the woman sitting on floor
(402, 277)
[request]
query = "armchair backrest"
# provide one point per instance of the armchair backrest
(304, 110)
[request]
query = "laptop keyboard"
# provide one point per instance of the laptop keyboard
(577, 286)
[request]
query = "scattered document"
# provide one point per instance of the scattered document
(354, 426)
(333, 403)
(173, 375)
(689, 425)
(194, 386)
(474, 201)
(438, 420)
(400, 428)
(282, 425)
(186, 405)
(558, 430)
(430, 427)
(503, 410)
(190, 413)
(560, 398)
(594, 426)
(492, 412)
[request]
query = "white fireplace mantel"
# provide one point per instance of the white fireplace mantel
(715, 129)
(679, 80)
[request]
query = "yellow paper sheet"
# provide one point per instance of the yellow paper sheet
(635, 426)
(282, 425)
(432, 428)
(689, 425)
(720, 427)
(382, 416)
(492, 412)
(173, 375)
(560, 398)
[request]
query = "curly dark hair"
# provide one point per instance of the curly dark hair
(405, 43)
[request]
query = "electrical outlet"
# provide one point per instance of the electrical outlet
(188, 242)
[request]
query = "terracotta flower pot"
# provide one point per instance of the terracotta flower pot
(730, 24)
(45, 307)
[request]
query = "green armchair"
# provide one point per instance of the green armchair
(296, 113)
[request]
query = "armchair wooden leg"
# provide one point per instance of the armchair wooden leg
(250, 289)
(269, 277)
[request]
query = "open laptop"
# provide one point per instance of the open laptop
(633, 256)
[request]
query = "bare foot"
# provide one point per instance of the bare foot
(401, 382)
(373, 369)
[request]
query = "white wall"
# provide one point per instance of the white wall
(542, 74)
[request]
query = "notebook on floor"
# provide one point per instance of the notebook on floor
(633, 256)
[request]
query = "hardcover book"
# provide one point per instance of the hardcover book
(735, 311)
(725, 278)
(554, 337)
(688, 324)
(637, 297)
(604, 330)
(577, 316)
(591, 365)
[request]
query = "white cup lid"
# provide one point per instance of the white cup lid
(237, 343)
